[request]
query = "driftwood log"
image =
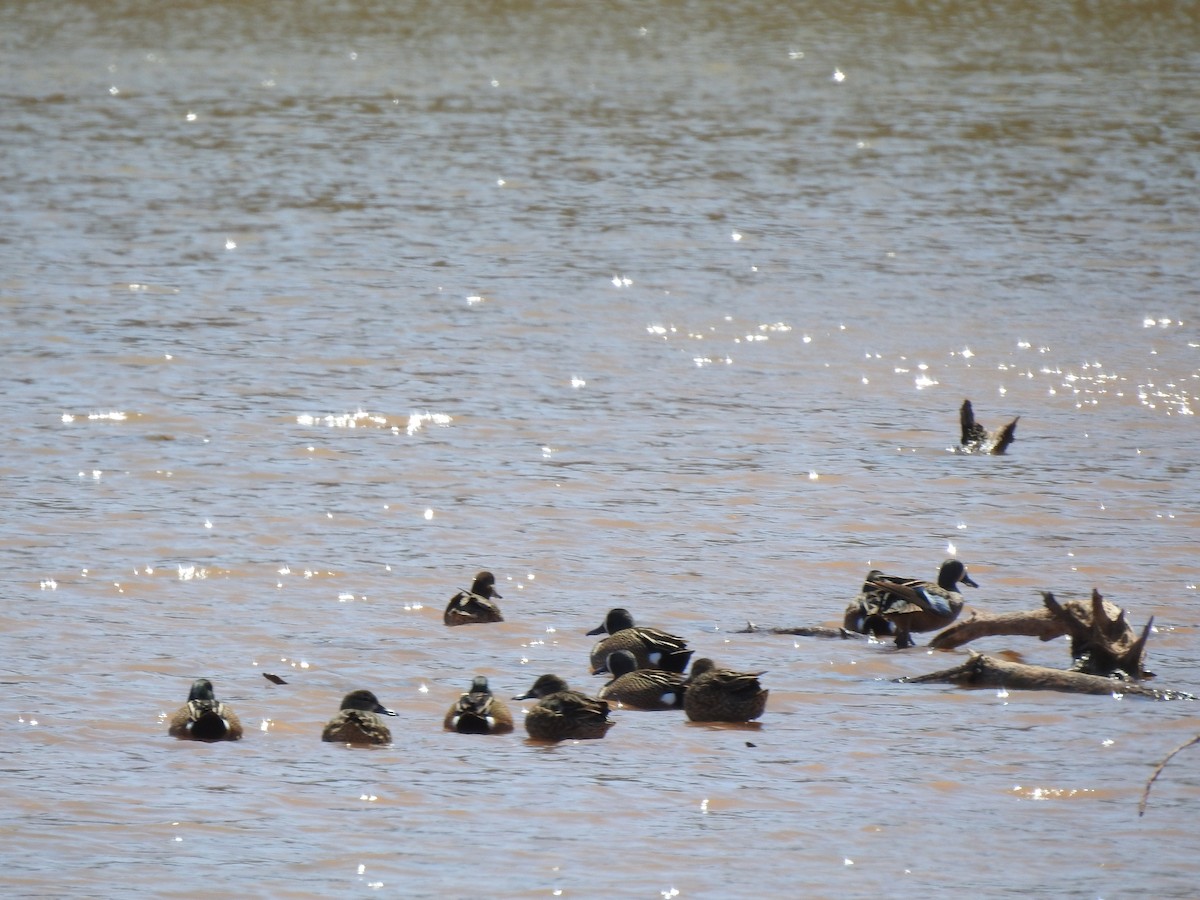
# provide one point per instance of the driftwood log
(987, 671)
(1039, 623)
(1102, 642)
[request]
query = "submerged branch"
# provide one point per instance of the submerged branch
(803, 631)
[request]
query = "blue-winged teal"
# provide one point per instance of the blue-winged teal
(563, 714)
(479, 711)
(475, 606)
(641, 688)
(723, 695)
(653, 649)
(204, 717)
(358, 721)
(976, 439)
(889, 605)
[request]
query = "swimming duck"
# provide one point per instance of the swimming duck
(976, 439)
(475, 606)
(358, 721)
(723, 695)
(204, 717)
(563, 714)
(479, 711)
(653, 649)
(641, 688)
(898, 606)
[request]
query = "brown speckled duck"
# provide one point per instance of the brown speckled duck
(652, 648)
(641, 688)
(894, 606)
(976, 439)
(204, 717)
(476, 605)
(358, 722)
(479, 711)
(723, 695)
(563, 714)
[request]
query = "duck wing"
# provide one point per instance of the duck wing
(914, 594)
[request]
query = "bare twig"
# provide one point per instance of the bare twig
(1158, 770)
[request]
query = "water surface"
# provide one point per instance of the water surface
(314, 310)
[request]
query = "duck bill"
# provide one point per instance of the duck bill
(966, 579)
(601, 630)
(384, 711)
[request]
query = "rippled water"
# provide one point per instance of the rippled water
(315, 309)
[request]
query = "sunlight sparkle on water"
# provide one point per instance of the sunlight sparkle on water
(417, 420)
(1037, 793)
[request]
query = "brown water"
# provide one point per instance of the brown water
(314, 309)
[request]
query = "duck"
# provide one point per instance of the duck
(641, 688)
(204, 717)
(358, 722)
(890, 605)
(479, 711)
(475, 606)
(563, 714)
(976, 439)
(715, 694)
(652, 648)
